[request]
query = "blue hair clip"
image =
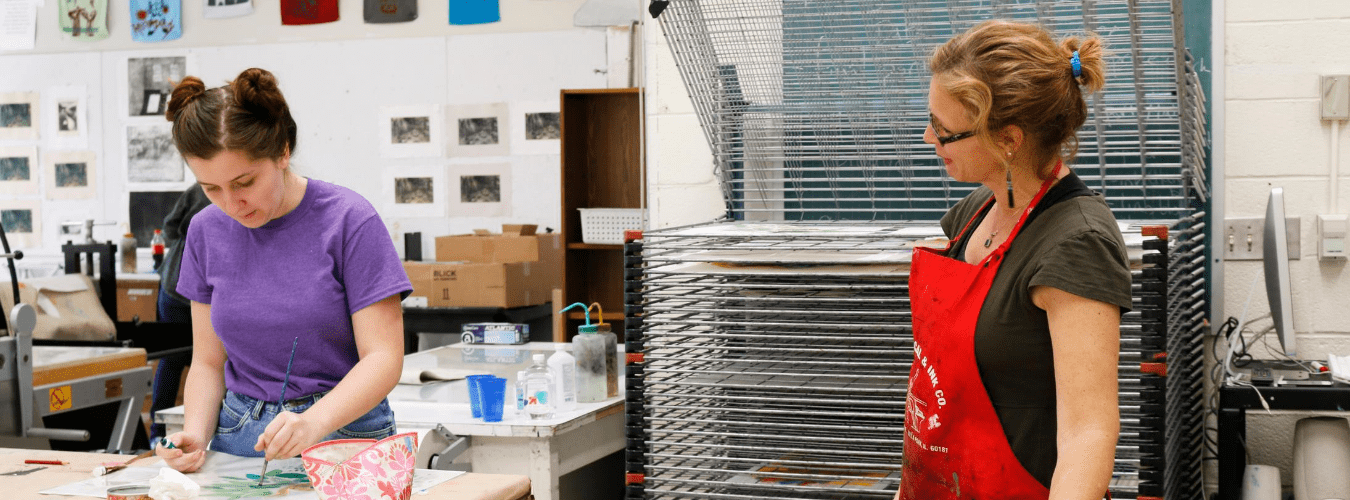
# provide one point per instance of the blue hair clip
(1077, 65)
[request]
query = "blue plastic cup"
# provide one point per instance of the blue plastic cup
(475, 399)
(493, 398)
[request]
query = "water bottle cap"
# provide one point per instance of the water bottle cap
(538, 358)
(587, 329)
(558, 347)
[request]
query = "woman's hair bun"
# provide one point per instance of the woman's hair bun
(1091, 56)
(256, 90)
(184, 94)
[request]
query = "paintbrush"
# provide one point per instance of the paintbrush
(282, 401)
(104, 470)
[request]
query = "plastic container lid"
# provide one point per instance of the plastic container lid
(538, 358)
(558, 346)
(587, 329)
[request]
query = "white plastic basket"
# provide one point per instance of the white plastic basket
(605, 226)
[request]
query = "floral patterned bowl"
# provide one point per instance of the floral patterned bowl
(362, 469)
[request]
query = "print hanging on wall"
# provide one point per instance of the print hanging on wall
(70, 174)
(308, 11)
(390, 11)
(151, 155)
(221, 9)
(22, 221)
(536, 128)
(84, 20)
(146, 210)
(409, 131)
(480, 190)
(156, 20)
(18, 170)
(478, 130)
(150, 81)
(65, 117)
(19, 115)
(474, 11)
(419, 191)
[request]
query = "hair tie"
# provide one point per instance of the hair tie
(1077, 65)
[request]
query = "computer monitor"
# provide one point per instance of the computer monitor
(1275, 256)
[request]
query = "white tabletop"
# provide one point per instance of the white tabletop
(447, 403)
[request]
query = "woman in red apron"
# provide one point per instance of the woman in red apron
(1013, 391)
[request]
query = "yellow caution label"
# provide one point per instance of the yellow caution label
(58, 398)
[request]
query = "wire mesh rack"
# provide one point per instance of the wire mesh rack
(815, 109)
(770, 360)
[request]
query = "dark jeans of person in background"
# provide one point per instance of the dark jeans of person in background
(170, 370)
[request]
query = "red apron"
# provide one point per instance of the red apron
(954, 443)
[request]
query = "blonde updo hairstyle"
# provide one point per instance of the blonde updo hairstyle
(1007, 73)
(249, 115)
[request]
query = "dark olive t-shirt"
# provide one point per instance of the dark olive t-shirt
(1072, 243)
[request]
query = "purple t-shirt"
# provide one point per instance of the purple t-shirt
(302, 275)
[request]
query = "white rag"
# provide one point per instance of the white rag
(173, 485)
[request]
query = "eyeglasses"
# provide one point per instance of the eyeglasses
(947, 139)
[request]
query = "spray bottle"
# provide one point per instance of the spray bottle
(611, 342)
(589, 350)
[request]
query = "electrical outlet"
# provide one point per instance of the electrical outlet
(1243, 237)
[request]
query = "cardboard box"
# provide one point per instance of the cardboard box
(137, 298)
(464, 284)
(516, 244)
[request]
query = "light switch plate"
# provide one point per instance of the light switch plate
(1243, 237)
(1336, 97)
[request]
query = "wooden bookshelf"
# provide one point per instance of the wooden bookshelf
(602, 167)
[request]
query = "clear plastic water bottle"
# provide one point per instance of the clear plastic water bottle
(538, 386)
(520, 392)
(564, 369)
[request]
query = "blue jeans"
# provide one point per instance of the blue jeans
(243, 419)
(170, 369)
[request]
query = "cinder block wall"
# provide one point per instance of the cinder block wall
(1274, 136)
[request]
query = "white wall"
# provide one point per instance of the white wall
(681, 186)
(337, 77)
(1275, 52)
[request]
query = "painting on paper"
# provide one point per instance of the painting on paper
(19, 115)
(411, 131)
(150, 80)
(220, 9)
(18, 170)
(537, 129)
(484, 190)
(413, 191)
(308, 11)
(84, 20)
(156, 20)
(222, 477)
(478, 130)
(151, 155)
(70, 174)
(66, 112)
(22, 222)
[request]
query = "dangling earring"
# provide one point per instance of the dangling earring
(1008, 171)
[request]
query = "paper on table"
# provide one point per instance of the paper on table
(426, 479)
(221, 477)
(18, 24)
(418, 376)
